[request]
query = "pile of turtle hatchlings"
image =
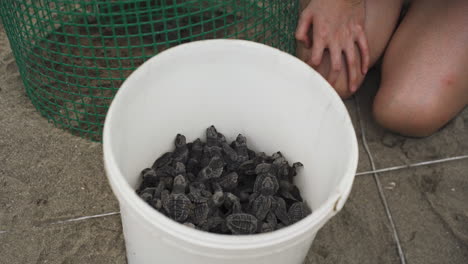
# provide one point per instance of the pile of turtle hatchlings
(224, 188)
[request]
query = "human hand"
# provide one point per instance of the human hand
(337, 25)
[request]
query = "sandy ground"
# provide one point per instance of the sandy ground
(48, 176)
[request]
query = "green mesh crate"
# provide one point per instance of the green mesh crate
(73, 55)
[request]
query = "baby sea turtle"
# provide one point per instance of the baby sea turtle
(244, 195)
(197, 150)
(298, 211)
(157, 204)
(281, 211)
(191, 177)
(193, 166)
(162, 161)
(178, 207)
(213, 223)
(261, 205)
(285, 190)
(242, 223)
(200, 201)
(218, 195)
(181, 151)
(177, 204)
(230, 154)
(270, 224)
(263, 168)
(165, 171)
(293, 170)
(247, 167)
(146, 197)
(230, 200)
(229, 181)
(214, 169)
(266, 184)
(200, 212)
(283, 171)
(150, 179)
(221, 138)
(212, 137)
(240, 146)
(179, 169)
(212, 151)
(223, 188)
(158, 190)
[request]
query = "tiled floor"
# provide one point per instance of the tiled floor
(49, 180)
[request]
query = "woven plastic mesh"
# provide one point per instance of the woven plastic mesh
(74, 55)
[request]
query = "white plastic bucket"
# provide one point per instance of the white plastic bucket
(273, 98)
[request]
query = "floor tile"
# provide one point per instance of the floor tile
(360, 233)
(430, 210)
(94, 241)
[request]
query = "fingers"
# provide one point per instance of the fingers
(304, 24)
(335, 65)
(353, 67)
(364, 50)
(318, 46)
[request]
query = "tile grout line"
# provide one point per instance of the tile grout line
(77, 219)
(82, 218)
(417, 164)
(396, 237)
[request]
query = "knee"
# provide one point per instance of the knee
(341, 86)
(406, 116)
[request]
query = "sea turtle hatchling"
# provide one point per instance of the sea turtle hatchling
(241, 223)
(240, 146)
(212, 137)
(298, 211)
(200, 212)
(270, 224)
(181, 152)
(200, 199)
(229, 181)
(214, 169)
(223, 188)
(162, 161)
(150, 179)
(229, 153)
(218, 195)
(177, 205)
(179, 169)
(281, 210)
(261, 205)
(266, 184)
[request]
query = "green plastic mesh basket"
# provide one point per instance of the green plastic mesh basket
(74, 55)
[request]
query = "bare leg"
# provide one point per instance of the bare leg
(381, 19)
(424, 76)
